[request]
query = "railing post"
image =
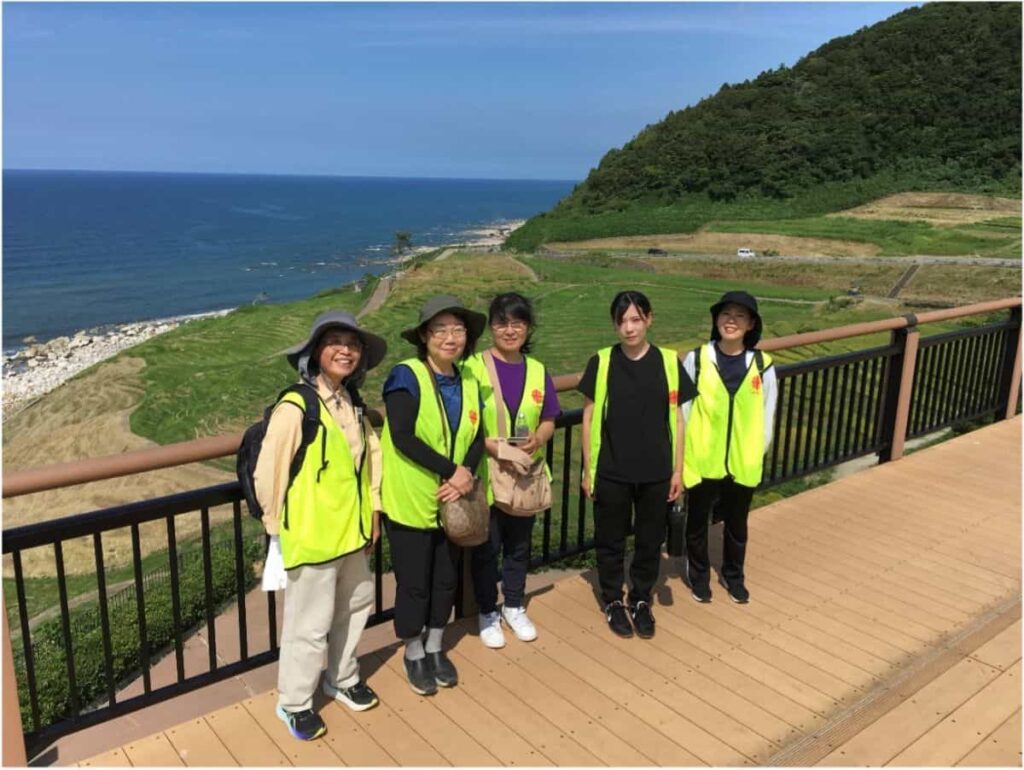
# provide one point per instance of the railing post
(1009, 385)
(898, 387)
(465, 596)
(14, 739)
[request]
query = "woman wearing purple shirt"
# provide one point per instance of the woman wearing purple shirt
(511, 320)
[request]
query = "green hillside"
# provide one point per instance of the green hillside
(926, 100)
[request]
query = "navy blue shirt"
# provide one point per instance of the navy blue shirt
(403, 378)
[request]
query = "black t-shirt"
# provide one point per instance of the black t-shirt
(635, 443)
(732, 369)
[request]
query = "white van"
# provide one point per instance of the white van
(745, 254)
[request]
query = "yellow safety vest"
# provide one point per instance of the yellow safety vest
(408, 490)
(328, 511)
(530, 406)
(670, 359)
(725, 433)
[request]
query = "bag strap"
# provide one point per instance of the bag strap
(449, 445)
(696, 364)
(499, 399)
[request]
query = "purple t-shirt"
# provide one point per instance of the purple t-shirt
(512, 378)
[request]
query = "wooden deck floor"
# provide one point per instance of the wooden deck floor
(884, 628)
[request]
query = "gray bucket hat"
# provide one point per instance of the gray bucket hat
(374, 347)
(441, 303)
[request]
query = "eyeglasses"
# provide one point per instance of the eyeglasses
(352, 345)
(440, 332)
(513, 326)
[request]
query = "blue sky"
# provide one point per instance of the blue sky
(488, 90)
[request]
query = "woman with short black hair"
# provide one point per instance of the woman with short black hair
(632, 457)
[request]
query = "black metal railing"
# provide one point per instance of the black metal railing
(829, 410)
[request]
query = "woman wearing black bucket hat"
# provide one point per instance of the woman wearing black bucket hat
(432, 444)
(728, 430)
(324, 521)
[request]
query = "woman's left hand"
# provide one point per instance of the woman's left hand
(531, 444)
(446, 493)
(675, 487)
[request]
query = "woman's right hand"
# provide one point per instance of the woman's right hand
(461, 480)
(585, 486)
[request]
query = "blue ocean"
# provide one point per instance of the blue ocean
(86, 249)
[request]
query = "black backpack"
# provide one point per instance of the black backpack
(252, 442)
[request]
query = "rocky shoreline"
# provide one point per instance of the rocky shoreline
(33, 371)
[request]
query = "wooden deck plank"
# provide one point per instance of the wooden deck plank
(113, 758)
(883, 649)
(634, 686)
(692, 695)
(873, 628)
(894, 731)
(243, 737)
(844, 648)
(347, 738)
(688, 647)
(1000, 749)
(302, 753)
(521, 716)
(887, 617)
(500, 737)
(575, 723)
(956, 735)
(198, 745)
(1003, 650)
(663, 653)
(643, 743)
(153, 751)
(447, 737)
(399, 738)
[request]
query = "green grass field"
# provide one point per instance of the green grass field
(993, 238)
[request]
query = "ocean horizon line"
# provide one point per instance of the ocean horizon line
(284, 175)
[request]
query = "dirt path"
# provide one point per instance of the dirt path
(380, 295)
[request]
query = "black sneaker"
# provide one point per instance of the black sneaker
(443, 669)
(618, 620)
(643, 619)
(701, 591)
(737, 591)
(304, 725)
(358, 697)
(421, 678)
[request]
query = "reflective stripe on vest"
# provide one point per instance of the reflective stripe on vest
(530, 406)
(725, 433)
(670, 360)
(328, 510)
(408, 490)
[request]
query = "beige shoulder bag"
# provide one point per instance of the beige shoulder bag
(520, 484)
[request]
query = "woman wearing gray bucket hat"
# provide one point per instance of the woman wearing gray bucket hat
(432, 444)
(323, 520)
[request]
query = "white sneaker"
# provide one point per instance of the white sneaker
(490, 630)
(520, 624)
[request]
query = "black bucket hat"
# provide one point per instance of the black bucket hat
(374, 347)
(446, 303)
(751, 338)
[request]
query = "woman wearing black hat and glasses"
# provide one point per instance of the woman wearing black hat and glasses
(324, 520)
(432, 444)
(728, 430)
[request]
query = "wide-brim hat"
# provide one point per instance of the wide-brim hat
(742, 298)
(446, 303)
(374, 347)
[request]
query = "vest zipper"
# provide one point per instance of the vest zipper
(728, 425)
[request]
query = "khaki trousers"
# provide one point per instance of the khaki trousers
(325, 610)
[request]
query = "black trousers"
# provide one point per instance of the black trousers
(426, 574)
(510, 537)
(615, 504)
(733, 507)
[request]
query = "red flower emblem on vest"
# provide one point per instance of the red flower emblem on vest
(756, 384)
(673, 397)
(537, 396)
(473, 416)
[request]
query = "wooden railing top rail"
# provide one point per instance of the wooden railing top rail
(59, 475)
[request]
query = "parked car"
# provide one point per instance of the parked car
(745, 254)
(657, 252)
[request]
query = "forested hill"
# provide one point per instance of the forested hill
(927, 99)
